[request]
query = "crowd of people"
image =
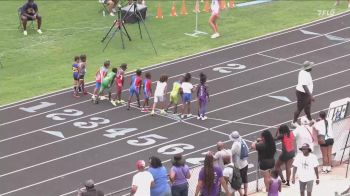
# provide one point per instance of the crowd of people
(182, 89)
(225, 171)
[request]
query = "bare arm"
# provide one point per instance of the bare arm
(198, 187)
(224, 185)
(317, 177)
(294, 172)
(307, 91)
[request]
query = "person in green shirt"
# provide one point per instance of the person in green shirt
(175, 94)
(107, 83)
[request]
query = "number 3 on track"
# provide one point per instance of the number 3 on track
(229, 68)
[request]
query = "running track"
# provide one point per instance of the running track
(103, 142)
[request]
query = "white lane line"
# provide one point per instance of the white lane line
(192, 56)
(257, 67)
(247, 100)
(231, 121)
(87, 149)
(193, 152)
(116, 158)
(281, 106)
(104, 162)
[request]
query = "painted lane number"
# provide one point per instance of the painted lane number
(229, 68)
(33, 109)
(91, 124)
(67, 112)
(147, 140)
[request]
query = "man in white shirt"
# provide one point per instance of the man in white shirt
(304, 134)
(228, 174)
(304, 91)
(306, 167)
(241, 164)
(142, 181)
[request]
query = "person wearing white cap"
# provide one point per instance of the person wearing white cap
(304, 91)
(142, 181)
(240, 161)
(305, 134)
(90, 189)
(306, 167)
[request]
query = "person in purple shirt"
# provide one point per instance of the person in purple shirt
(179, 173)
(210, 178)
(29, 11)
(202, 96)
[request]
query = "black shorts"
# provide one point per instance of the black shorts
(244, 174)
(267, 164)
(81, 77)
(328, 142)
(286, 156)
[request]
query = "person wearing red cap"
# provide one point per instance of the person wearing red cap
(142, 181)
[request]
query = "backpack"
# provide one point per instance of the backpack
(236, 180)
(244, 150)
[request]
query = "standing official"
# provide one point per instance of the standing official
(304, 91)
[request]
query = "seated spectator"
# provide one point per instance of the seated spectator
(210, 178)
(222, 152)
(266, 148)
(288, 152)
(240, 161)
(29, 11)
(111, 4)
(230, 171)
(160, 176)
(179, 173)
(89, 189)
(142, 181)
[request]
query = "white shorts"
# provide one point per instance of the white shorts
(158, 99)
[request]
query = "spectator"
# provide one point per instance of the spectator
(220, 154)
(160, 176)
(275, 184)
(288, 152)
(305, 165)
(304, 134)
(239, 161)
(304, 90)
(229, 172)
(142, 181)
(266, 148)
(209, 179)
(111, 4)
(90, 189)
(179, 173)
(325, 134)
(29, 12)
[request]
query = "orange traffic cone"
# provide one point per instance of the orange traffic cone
(173, 10)
(196, 7)
(183, 8)
(222, 4)
(232, 4)
(159, 12)
(206, 6)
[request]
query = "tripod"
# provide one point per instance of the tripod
(120, 27)
(138, 15)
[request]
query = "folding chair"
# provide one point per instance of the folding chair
(104, 7)
(20, 26)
